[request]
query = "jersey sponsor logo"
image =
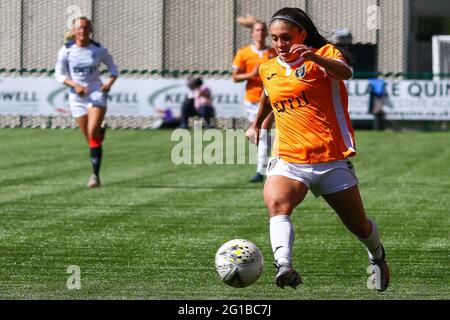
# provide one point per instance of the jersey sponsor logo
(271, 76)
(300, 72)
(83, 71)
(288, 104)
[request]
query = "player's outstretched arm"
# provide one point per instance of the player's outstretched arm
(108, 84)
(112, 68)
(79, 89)
(252, 134)
(335, 68)
(247, 21)
(263, 110)
(239, 76)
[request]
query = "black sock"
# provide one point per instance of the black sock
(96, 159)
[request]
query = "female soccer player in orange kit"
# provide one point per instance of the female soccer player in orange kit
(305, 88)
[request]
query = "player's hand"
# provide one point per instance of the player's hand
(80, 90)
(252, 134)
(301, 50)
(105, 87)
(247, 21)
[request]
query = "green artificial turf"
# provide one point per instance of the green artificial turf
(151, 231)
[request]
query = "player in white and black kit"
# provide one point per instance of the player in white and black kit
(78, 68)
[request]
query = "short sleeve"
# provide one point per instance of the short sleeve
(330, 51)
(61, 69)
(261, 71)
(109, 62)
(238, 62)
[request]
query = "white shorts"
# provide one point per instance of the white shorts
(80, 104)
(251, 110)
(320, 178)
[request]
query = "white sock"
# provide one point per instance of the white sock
(282, 238)
(373, 243)
(263, 148)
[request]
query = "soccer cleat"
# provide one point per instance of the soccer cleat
(384, 271)
(94, 182)
(287, 276)
(257, 178)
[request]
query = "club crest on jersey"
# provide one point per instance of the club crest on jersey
(300, 72)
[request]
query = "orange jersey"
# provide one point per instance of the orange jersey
(246, 60)
(310, 108)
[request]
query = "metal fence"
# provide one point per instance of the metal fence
(185, 34)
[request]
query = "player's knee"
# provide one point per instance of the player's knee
(279, 206)
(364, 230)
(92, 133)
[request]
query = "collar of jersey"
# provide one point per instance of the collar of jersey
(75, 45)
(259, 52)
(289, 65)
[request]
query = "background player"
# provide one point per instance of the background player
(314, 139)
(77, 68)
(245, 68)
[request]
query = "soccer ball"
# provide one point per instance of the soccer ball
(239, 263)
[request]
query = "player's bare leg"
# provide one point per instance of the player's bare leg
(95, 119)
(281, 196)
(350, 209)
(82, 123)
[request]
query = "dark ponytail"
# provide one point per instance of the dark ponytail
(298, 18)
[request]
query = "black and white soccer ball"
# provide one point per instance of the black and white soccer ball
(239, 263)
